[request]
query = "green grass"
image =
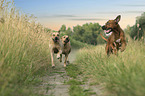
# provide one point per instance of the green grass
(122, 74)
(74, 82)
(23, 52)
(76, 90)
(78, 44)
(73, 70)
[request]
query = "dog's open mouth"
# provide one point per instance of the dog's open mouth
(66, 41)
(56, 40)
(107, 31)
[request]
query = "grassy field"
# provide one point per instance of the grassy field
(24, 53)
(122, 75)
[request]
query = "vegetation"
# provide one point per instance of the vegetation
(75, 89)
(87, 33)
(137, 31)
(24, 56)
(23, 51)
(123, 75)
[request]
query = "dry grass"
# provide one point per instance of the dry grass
(23, 50)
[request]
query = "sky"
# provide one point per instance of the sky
(54, 13)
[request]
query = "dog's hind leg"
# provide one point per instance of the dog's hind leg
(107, 50)
(123, 43)
(114, 48)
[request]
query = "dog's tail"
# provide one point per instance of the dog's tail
(103, 37)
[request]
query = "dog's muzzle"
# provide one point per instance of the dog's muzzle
(66, 40)
(106, 30)
(55, 39)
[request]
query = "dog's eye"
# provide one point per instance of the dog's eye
(108, 23)
(57, 34)
(63, 37)
(53, 34)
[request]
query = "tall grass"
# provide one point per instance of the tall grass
(123, 75)
(23, 51)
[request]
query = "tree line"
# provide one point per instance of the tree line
(87, 33)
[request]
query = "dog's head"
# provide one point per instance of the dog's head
(65, 39)
(111, 24)
(55, 36)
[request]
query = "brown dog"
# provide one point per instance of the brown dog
(66, 48)
(55, 46)
(117, 39)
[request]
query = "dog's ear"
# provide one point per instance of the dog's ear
(59, 31)
(118, 18)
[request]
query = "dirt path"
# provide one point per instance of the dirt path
(53, 83)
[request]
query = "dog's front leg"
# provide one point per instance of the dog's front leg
(107, 49)
(60, 57)
(123, 45)
(66, 57)
(52, 58)
(58, 54)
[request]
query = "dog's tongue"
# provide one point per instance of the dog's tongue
(107, 31)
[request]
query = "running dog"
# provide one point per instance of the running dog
(55, 46)
(116, 40)
(66, 48)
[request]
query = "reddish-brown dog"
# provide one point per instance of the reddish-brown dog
(116, 40)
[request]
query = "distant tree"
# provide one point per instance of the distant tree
(138, 30)
(141, 22)
(63, 28)
(87, 33)
(68, 31)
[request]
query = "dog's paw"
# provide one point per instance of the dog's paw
(53, 66)
(58, 56)
(68, 62)
(64, 65)
(122, 49)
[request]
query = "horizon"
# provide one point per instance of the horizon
(54, 13)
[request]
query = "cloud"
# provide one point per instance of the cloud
(134, 11)
(111, 12)
(64, 16)
(87, 19)
(129, 5)
(56, 16)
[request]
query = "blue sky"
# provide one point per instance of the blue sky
(54, 13)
